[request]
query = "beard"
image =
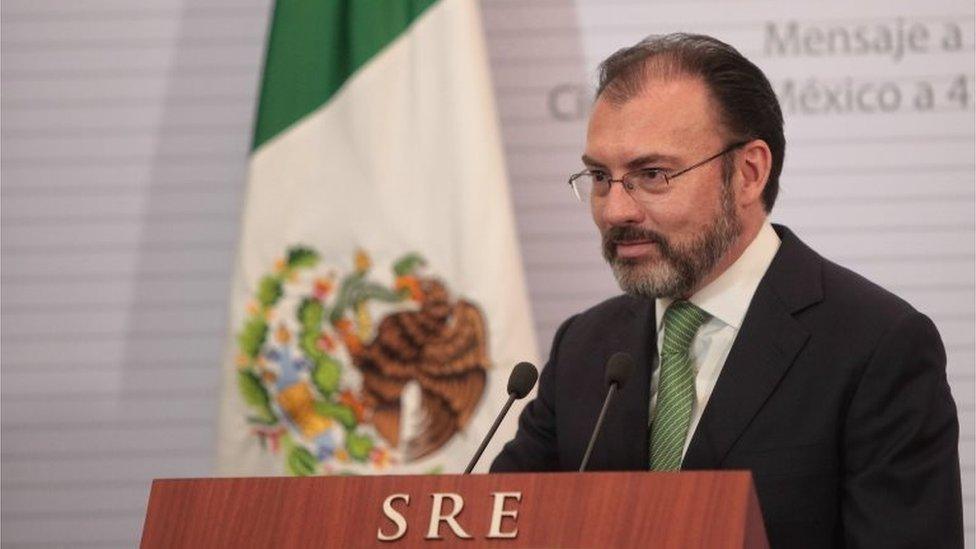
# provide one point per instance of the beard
(683, 264)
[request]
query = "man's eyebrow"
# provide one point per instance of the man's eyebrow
(646, 159)
(634, 164)
(589, 162)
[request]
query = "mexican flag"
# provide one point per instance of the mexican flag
(378, 303)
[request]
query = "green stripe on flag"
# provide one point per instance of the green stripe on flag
(314, 46)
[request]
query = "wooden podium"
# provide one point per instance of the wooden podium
(635, 509)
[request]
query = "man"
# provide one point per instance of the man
(753, 352)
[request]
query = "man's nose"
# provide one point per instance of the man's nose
(618, 207)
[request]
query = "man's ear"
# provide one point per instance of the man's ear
(755, 163)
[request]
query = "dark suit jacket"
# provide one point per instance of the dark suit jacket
(834, 395)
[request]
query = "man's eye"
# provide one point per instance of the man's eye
(651, 175)
(599, 177)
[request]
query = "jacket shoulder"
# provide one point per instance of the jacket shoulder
(618, 309)
(804, 278)
(856, 293)
(858, 316)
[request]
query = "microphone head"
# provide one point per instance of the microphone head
(619, 368)
(522, 379)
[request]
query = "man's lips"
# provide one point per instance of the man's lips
(630, 249)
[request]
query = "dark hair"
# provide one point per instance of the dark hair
(747, 104)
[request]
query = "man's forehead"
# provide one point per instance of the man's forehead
(670, 110)
(681, 97)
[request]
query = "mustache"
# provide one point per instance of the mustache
(617, 235)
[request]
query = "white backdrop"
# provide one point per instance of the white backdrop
(125, 128)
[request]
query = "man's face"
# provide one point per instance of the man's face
(666, 246)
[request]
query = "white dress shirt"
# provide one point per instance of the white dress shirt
(727, 299)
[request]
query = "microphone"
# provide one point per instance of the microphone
(618, 371)
(520, 382)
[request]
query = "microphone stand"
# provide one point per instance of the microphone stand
(599, 423)
(491, 433)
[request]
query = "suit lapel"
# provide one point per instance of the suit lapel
(767, 344)
(763, 351)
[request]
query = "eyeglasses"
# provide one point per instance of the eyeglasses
(643, 184)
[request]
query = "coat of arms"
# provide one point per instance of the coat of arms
(325, 360)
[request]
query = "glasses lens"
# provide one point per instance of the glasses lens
(646, 183)
(582, 187)
(587, 185)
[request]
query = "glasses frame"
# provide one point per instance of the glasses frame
(667, 177)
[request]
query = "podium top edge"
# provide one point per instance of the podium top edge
(729, 474)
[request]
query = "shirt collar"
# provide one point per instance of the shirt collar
(727, 297)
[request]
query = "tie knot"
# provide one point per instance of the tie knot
(681, 322)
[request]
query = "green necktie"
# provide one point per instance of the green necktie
(676, 386)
